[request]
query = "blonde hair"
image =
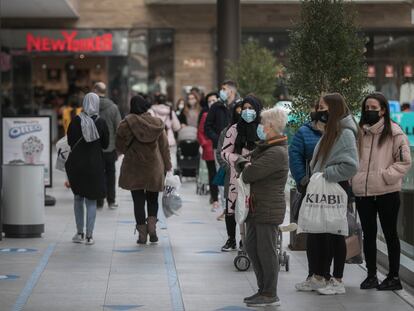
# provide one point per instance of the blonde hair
(276, 118)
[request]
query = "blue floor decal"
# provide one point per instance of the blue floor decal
(194, 223)
(122, 307)
(208, 252)
(8, 277)
(233, 308)
(17, 250)
(31, 283)
(126, 222)
(127, 250)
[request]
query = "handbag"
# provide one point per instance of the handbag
(297, 200)
(220, 176)
(241, 210)
(63, 152)
(354, 239)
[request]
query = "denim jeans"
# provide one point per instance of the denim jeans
(90, 214)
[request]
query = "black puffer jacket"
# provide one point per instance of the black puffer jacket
(218, 119)
(267, 176)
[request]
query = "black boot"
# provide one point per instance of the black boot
(370, 282)
(390, 283)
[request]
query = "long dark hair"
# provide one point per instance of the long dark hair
(338, 110)
(387, 131)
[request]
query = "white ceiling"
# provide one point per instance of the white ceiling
(37, 9)
(149, 2)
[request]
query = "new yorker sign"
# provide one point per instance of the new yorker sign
(69, 42)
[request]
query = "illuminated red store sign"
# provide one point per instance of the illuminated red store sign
(69, 43)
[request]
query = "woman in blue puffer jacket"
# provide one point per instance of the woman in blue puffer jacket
(300, 155)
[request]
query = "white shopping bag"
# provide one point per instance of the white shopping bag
(243, 201)
(324, 208)
(171, 200)
(63, 151)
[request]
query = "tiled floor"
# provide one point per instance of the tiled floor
(116, 274)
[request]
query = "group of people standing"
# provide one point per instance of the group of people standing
(240, 138)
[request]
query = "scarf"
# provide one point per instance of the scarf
(90, 109)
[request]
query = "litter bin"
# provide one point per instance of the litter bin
(23, 200)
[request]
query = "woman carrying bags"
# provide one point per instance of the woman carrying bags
(336, 156)
(142, 139)
(88, 135)
(240, 139)
(384, 160)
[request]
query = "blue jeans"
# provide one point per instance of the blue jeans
(90, 214)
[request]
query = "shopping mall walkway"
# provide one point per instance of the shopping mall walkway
(186, 271)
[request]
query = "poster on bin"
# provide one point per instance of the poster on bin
(28, 140)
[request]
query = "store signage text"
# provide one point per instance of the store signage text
(69, 43)
(18, 131)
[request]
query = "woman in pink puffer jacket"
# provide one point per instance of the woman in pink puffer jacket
(384, 160)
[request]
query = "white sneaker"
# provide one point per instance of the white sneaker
(289, 228)
(89, 241)
(113, 205)
(334, 287)
(310, 284)
(78, 238)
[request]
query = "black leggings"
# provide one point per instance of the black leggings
(386, 207)
(322, 248)
(211, 166)
(139, 197)
(231, 226)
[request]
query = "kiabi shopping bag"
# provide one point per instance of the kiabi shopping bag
(324, 208)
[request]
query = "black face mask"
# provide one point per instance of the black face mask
(371, 117)
(321, 116)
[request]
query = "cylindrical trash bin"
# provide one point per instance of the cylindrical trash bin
(23, 200)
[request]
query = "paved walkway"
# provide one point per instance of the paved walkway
(185, 271)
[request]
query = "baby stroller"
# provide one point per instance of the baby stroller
(188, 155)
(242, 261)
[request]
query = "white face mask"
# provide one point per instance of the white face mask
(181, 106)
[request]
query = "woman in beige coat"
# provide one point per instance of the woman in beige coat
(143, 141)
(384, 160)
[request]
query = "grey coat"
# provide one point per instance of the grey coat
(267, 175)
(109, 112)
(342, 162)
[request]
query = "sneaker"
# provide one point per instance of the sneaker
(289, 228)
(89, 241)
(247, 299)
(113, 205)
(369, 283)
(305, 286)
(263, 301)
(390, 283)
(334, 287)
(229, 246)
(78, 238)
(215, 206)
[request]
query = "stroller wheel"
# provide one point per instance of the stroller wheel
(242, 262)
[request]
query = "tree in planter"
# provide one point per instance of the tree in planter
(325, 55)
(255, 72)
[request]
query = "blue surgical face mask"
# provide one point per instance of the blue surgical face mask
(223, 95)
(248, 115)
(260, 132)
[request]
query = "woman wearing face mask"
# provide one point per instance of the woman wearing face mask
(336, 156)
(179, 108)
(208, 152)
(384, 160)
(267, 174)
(300, 155)
(192, 110)
(240, 139)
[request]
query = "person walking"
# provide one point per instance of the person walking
(162, 110)
(267, 175)
(384, 160)
(142, 139)
(336, 156)
(88, 136)
(109, 112)
(240, 139)
(208, 152)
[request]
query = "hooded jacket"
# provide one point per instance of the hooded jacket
(342, 161)
(381, 168)
(142, 139)
(172, 124)
(109, 112)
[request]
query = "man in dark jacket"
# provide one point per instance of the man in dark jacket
(109, 112)
(219, 114)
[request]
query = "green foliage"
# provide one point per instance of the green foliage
(325, 55)
(255, 72)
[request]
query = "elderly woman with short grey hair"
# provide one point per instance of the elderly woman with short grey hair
(267, 174)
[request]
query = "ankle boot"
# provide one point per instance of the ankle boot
(152, 228)
(142, 234)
